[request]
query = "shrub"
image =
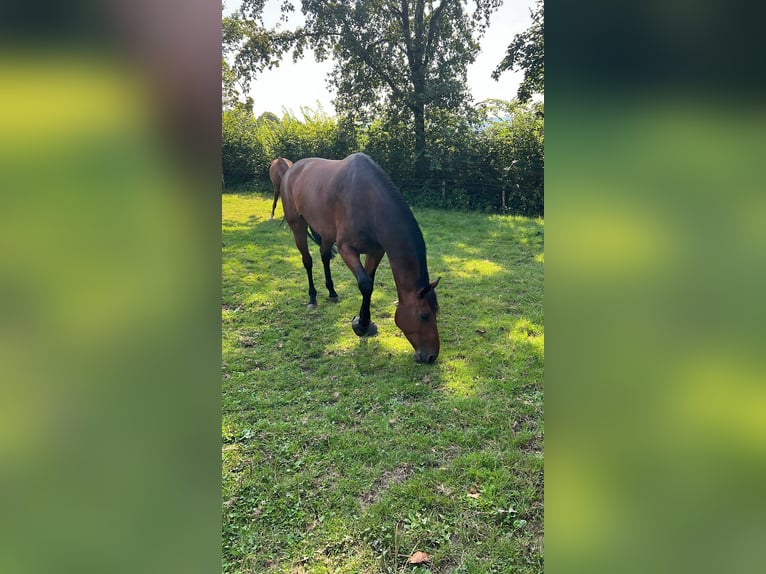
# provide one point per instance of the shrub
(518, 148)
(490, 158)
(243, 154)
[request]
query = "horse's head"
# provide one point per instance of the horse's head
(416, 317)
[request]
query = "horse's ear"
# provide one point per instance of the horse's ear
(427, 288)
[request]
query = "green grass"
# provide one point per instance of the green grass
(342, 454)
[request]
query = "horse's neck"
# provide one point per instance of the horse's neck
(406, 251)
(409, 271)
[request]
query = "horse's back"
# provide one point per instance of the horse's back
(343, 199)
(306, 193)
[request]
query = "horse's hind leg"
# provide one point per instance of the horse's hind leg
(301, 242)
(276, 197)
(326, 252)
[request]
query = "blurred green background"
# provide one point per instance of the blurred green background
(109, 285)
(655, 373)
(655, 370)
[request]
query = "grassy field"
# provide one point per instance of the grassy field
(342, 454)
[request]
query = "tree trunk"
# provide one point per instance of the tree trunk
(421, 160)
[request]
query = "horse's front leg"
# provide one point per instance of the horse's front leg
(371, 262)
(361, 324)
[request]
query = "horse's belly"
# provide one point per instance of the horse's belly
(319, 221)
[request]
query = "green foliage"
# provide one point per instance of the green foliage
(228, 86)
(411, 56)
(243, 153)
(462, 174)
(527, 52)
(400, 79)
(391, 143)
(315, 135)
(342, 454)
(517, 147)
(248, 46)
(249, 144)
(488, 159)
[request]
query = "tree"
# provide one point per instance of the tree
(527, 52)
(409, 54)
(244, 154)
(268, 117)
(228, 86)
(406, 54)
(517, 146)
(249, 48)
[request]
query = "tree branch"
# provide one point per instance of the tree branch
(419, 7)
(405, 16)
(385, 77)
(435, 17)
(394, 9)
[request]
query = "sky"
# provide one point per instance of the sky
(303, 83)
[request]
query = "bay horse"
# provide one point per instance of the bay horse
(277, 171)
(353, 204)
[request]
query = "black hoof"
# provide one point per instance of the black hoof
(358, 329)
(361, 331)
(333, 299)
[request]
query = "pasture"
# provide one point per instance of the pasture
(343, 454)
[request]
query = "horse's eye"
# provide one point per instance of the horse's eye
(424, 316)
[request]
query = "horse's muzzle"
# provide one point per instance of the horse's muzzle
(424, 357)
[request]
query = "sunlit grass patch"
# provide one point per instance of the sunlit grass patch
(462, 267)
(458, 378)
(467, 248)
(524, 331)
(393, 343)
(240, 211)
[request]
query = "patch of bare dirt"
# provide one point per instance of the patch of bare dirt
(387, 479)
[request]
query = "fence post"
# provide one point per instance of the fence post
(444, 193)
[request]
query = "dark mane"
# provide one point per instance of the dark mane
(383, 178)
(407, 218)
(432, 301)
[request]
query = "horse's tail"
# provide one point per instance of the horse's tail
(316, 238)
(276, 179)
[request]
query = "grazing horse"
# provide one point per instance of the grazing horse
(277, 171)
(353, 203)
